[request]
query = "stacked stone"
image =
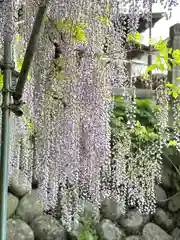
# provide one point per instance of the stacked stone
(27, 220)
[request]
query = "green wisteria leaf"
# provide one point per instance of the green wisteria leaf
(1, 80)
(172, 143)
(80, 35)
(19, 65)
(102, 19)
(86, 235)
(18, 38)
(175, 94)
(130, 37)
(170, 85)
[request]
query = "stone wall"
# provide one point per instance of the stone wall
(27, 221)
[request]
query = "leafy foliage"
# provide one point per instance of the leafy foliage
(59, 72)
(88, 232)
(174, 90)
(134, 38)
(166, 58)
(105, 18)
(67, 26)
(145, 130)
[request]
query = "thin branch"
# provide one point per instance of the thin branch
(132, 50)
(170, 198)
(138, 50)
(140, 93)
(30, 50)
(169, 159)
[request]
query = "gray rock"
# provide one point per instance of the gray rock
(12, 205)
(76, 231)
(177, 221)
(18, 230)
(146, 219)
(163, 219)
(176, 234)
(110, 231)
(19, 185)
(166, 177)
(48, 228)
(176, 184)
(30, 207)
(132, 221)
(89, 211)
(110, 209)
(133, 238)
(174, 203)
(161, 196)
(153, 232)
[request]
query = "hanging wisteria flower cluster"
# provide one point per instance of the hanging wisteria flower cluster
(65, 135)
(140, 163)
(176, 125)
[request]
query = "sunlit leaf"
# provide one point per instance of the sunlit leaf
(151, 67)
(80, 35)
(175, 94)
(1, 80)
(130, 37)
(137, 36)
(172, 143)
(29, 76)
(170, 50)
(18, 38)
(107, 22)
(161, 66)
(170, 85)
(19, 65)
(102, 19)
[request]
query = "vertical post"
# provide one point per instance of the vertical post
(128, 65)
(150, 46)
(174, 43)
(7, 67)
(5, 137)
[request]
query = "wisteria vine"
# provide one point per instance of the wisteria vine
(69, 104)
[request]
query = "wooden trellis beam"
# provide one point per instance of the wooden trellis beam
(140, 93)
